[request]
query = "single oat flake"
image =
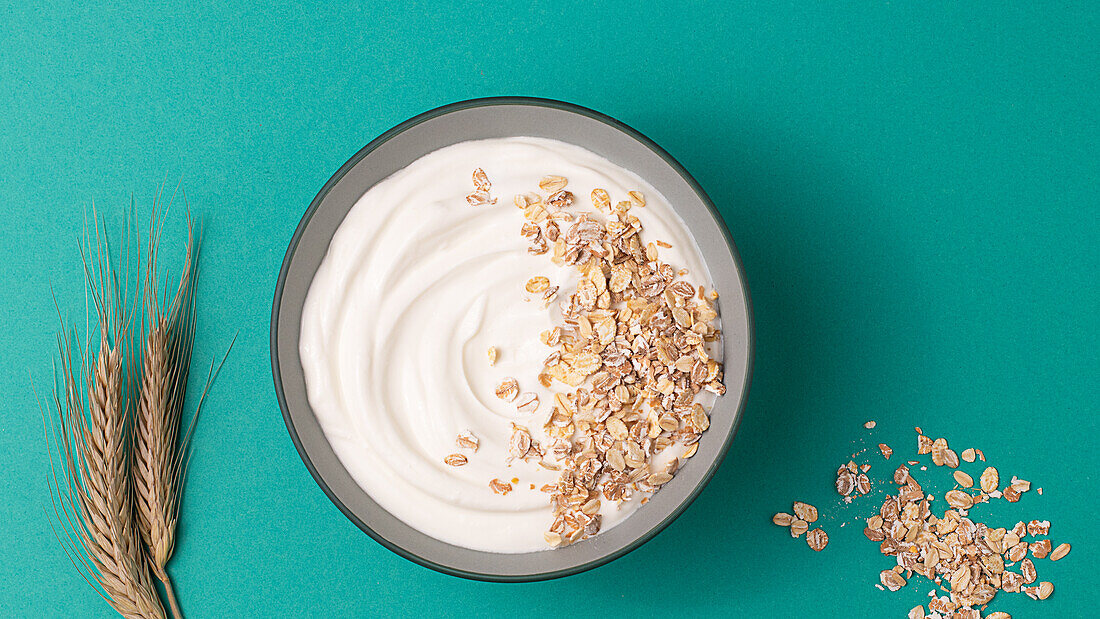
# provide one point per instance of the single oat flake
(963, 479)
(1059, 552)
(805, 511)
(959, 499)
(1045, 589)
(455, 460)
(863, 483)
(924, 444)
(552, 184)
(601, 200)
(989, 479)
(527, 402)
(537, 284)
(798, 527)
(479, 198)
(500, 487)
(481, 180)
(508, 389)
(467, 440)
(845, 481)
(552, 538)
(1040, 549)
(560, 199)
(891, 580)
(519, 445)
(939, 452)
(817, 540)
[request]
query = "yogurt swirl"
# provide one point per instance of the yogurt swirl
(415, 287)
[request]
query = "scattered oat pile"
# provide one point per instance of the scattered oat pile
(970, 561)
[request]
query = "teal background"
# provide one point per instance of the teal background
(914, 189)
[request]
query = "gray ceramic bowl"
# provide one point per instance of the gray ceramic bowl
(494, 118)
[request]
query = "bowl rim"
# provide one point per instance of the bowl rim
(363, 153)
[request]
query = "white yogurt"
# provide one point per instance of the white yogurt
(416, 286)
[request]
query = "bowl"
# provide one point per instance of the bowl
(494, 118)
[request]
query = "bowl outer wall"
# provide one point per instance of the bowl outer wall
(494, 118)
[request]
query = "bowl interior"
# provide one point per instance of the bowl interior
(492, 118)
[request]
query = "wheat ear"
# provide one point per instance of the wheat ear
(159, 451)
(93, 503)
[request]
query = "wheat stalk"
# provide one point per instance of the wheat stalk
(159, 451)
(94, 505)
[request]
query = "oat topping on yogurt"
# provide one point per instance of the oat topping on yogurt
(592, 299)
(632, 352)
